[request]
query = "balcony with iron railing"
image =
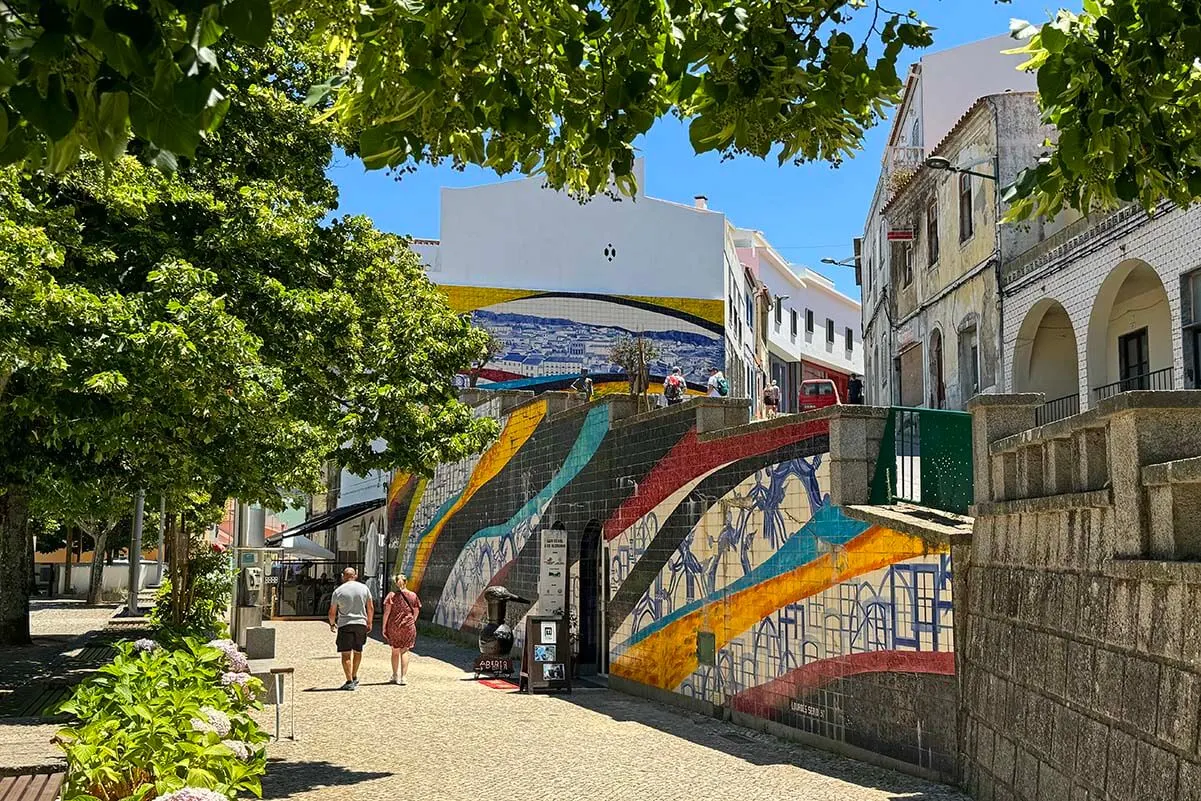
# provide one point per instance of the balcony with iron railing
(1154, 380)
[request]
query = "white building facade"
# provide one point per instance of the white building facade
(813, 330)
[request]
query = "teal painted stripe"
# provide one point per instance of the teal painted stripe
(588, 441)
(828, 525)
(438, 515)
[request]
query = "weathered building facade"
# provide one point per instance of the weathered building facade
(947, 242)
(939, 89)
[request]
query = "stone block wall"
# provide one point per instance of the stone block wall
(1079, 625)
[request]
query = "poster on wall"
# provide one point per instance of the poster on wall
(552, 572)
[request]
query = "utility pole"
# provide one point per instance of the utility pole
(162, 525)
(135, 552)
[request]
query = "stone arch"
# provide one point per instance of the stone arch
(1045, 355)
(1129, 332)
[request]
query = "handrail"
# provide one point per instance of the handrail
(1057, 409)
(1156, 379)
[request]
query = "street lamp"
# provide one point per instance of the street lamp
(943, 163)
(844, 263)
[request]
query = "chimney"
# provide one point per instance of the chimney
(701, 202)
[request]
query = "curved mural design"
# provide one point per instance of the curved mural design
(548, 336)
(724, 572)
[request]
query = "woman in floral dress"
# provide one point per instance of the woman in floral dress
(400, 625)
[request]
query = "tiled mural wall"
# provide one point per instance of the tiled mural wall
(549, 336)
(727, 541)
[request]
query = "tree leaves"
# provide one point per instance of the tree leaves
(1119, 83)
(249, 20)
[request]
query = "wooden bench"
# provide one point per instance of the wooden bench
(32, 786)
(39, 700)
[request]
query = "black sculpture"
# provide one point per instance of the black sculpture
(496, 637)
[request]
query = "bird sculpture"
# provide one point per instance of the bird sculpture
(496, 637)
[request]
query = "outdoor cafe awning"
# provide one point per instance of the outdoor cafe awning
(324, 522)
(300, 546)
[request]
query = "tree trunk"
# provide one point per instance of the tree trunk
(96, 575)
(16, 567)
(70, 552)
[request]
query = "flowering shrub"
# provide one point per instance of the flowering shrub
(197, 610)
(162, 722)
(191, 794)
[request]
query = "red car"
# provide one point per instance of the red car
(817, 393)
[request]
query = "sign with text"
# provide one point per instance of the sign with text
(552, 573)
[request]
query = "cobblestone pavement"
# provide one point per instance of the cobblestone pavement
(57, 627)
(447, 738)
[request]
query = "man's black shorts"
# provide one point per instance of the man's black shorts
(351, 637)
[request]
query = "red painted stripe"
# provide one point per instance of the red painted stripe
(492, 374)
(776, 695)
(691, 458)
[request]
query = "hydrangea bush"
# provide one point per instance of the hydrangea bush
(165, 723)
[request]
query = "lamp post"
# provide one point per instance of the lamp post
(840, 263)
(944, 164)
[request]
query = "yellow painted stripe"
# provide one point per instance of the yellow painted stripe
(417, 493)
(668, 657)
(518, 428)
(469, 298)
(398, 483)
(713, 311)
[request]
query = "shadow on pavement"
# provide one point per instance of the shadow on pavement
(753, 747)
(285, 779)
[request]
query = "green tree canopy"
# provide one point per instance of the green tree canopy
(206, 333)
(565, 87)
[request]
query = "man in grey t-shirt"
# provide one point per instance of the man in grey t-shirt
(351, 613)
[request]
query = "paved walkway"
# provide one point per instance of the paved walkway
(58, 627)
(443, 738)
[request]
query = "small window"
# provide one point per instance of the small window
(850, 340)
(932, 232)
(808, 321)
(965, 207)
(792, 316)
(829, 330)
(779, 311)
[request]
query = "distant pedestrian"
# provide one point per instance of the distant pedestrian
(401, 608)
(582, 386)
(855, 389)
(674, 387)
(351, 612)
(771, 398)
(718, 386)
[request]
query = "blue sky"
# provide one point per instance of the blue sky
(807, 212)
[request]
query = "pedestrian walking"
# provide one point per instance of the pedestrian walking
(718, 386)
(771, 398)
(674, 387)
(351, 612)
(855, 389)
(401, 608)
(582, 386)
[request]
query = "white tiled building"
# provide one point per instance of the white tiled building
(1108, 304)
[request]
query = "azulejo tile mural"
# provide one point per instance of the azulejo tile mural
(711, 566)
(548, 336)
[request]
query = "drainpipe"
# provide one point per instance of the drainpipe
(998, 381)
